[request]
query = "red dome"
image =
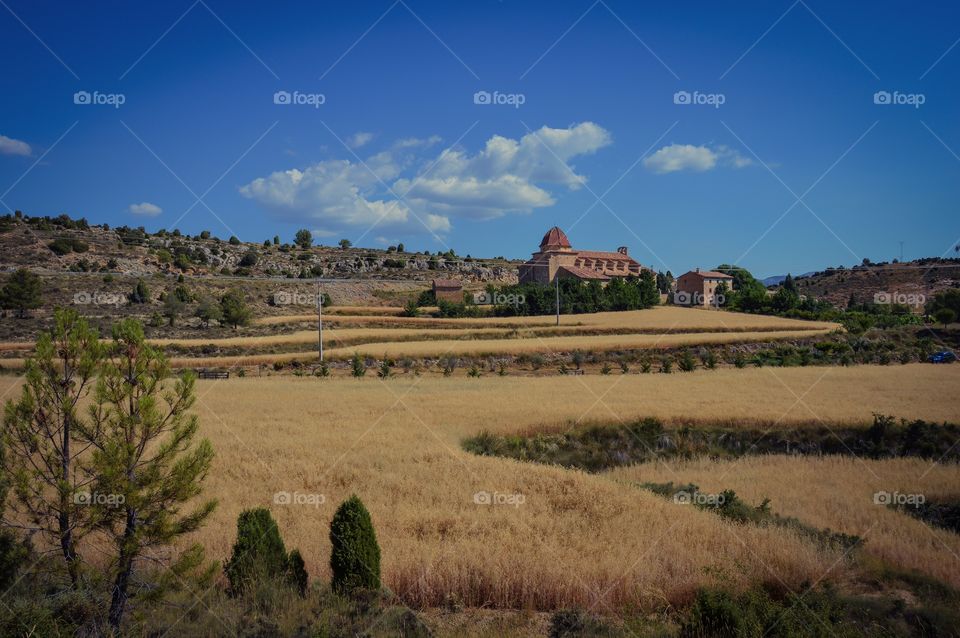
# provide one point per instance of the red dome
(554, 239)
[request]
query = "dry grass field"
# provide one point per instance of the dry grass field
(835, 493)
(563, 537)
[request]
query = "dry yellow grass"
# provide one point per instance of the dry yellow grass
(836, 493)
(577, 538)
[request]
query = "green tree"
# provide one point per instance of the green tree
(141, 293)
(208, 310)
(345, 243)
(234, 240)
(945, 316)
(355, 554)
(249, 259)
(258, 553)
(43, 437)
(789, 284)
(276, 240)
(146, 454)
(357, 365)
(172, 307)
(303, 238)
(21, 292)
(400, 248)
(234, 309)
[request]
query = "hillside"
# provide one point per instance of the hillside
(909, 283)
(53, 245)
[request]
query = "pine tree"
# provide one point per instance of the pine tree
(258, 552)
(21, 292)
(147, 457)
(43, 437)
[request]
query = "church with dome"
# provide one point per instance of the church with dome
(557, 258)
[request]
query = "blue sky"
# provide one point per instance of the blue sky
(795, 169)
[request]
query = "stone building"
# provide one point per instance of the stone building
(557, 258)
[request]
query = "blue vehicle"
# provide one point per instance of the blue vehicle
(944, 356)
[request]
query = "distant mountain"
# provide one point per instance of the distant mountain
(776, 280)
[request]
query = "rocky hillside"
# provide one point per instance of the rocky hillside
(64, 245)
(908, 283)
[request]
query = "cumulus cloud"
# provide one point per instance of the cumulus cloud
(10, 146)
(687, 157)
(359, 139)
(144, 208)
(506, 176)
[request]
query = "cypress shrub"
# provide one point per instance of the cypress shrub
(355, 558)
(297, 572)
(258, 551)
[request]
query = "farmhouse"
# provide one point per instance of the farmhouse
(699, 288)
(448, 289)
(557, 258)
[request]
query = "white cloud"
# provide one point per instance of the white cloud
(145, 208)
(507, 176)
(10, 146)
(687, 157)
(359, 139)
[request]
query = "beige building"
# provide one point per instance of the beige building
(557, 258)
(448, 289)
(699, 288)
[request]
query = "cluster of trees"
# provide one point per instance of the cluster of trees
(576, 297)
(113, 478)
(748, 294)
(101, 472)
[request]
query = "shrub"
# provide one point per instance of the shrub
(384, 371)
(474, 371)
(666, 365)
(297, 572)
(355, 555)
(323, 370)
(687, 362)
(645, 366)
(606, 369)
(357, 365)
(141, 293)
(257, 553)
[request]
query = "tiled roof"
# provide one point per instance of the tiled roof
(555, 238)
(600, 254)
(710, 274)
(584, 273)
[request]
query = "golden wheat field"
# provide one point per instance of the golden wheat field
(836, 493)
(555, 537)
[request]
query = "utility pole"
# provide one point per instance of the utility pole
(320, 319)
(557, 279)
